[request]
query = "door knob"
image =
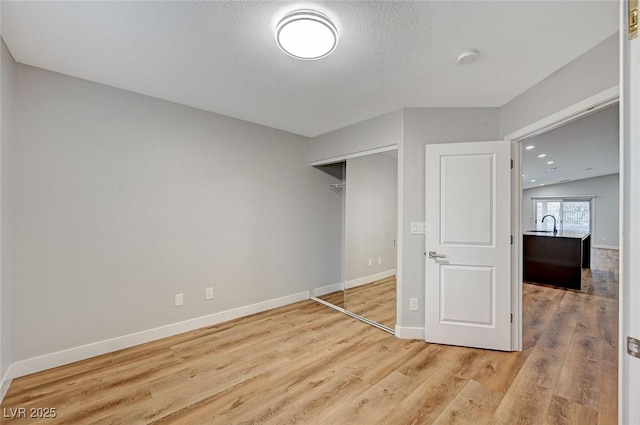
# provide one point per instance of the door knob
(434, 254)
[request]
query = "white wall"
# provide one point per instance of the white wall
(7, 88)
(117, 201)
(606, 205)
(385, 130)
(371, 215)
(424, 126)
(587, 75)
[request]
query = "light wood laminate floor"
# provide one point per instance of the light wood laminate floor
(376, 301)
(308, 364)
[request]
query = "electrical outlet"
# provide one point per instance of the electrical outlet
(208, 293)
(413, 304)
(370, 262)
(178, 300)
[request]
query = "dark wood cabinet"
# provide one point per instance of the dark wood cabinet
(556, 259)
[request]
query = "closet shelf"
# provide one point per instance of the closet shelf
(338, 187)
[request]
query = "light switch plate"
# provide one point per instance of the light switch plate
(633, 347)
(417, 228)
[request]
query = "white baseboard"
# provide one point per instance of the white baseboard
(404, 332)
(324, 290)
(368, 279)
(6, 381)
(59, 358)
(616, 247)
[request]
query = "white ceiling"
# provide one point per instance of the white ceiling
(590, 142)
(221, 56)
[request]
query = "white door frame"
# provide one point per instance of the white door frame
(578, 110)
(629, 367)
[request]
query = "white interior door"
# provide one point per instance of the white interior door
(467, 241)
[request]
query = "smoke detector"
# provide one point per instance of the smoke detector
(467, 57)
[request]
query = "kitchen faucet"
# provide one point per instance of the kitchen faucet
(555, 229)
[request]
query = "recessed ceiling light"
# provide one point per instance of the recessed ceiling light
(552, 168)
(550, 162)
(533, 181)
(467, 57)
(541, 184)
(588, 169)
(529, 147)
(306, 34)
(542, 155)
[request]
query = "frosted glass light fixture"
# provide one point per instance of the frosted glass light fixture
(306, 34)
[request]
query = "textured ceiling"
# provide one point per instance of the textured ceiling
(221, 56)
(588, 147)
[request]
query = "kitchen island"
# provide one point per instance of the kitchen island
(556, 258)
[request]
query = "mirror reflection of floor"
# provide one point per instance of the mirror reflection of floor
(335, 298)
(375, 301)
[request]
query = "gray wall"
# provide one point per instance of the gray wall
(371, 218)
(606, 205)
(7, 89)
(424, 126)
(117, 201)
(385, 130)
(419, 126)
(587, 75)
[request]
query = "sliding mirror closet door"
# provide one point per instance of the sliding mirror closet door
(371, 206)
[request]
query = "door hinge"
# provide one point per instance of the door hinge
(511, 239)
(633, 19)
(512, 164)
(511, 317)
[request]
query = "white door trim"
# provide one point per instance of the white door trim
(629, 367)
(576, 111)
(354, 155)
(571, 113)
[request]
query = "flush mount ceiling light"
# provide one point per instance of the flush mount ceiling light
(306, 34)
